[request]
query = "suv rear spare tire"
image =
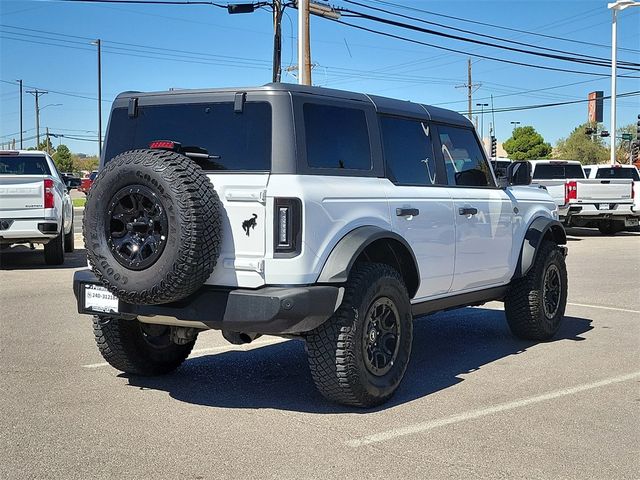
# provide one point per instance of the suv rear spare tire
(152, 226)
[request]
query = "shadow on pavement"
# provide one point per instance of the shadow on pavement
(21, 257)
(276, 376)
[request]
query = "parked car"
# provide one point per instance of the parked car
(329, 216)
(583, 201)
(35, 206)
(87, 182)
(70, 180)
(632, 212)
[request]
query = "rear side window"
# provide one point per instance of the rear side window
(336, 137)
(613, 172)
(557, 172)
(587, 172)
(463, 158)
(24, 165)
(408, 151)
(242, 141)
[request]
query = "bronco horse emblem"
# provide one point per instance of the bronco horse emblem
(249, 224)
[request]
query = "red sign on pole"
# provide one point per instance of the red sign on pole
(595, 106)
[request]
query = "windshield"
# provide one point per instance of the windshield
(24, 165)
(557, 172)
(618, 172)
(234, 140)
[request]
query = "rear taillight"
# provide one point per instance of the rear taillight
(287, 230)
(570, 191)
(48, 193)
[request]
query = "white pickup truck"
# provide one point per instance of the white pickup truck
(631, 213)
(35, 206)
(582, 201)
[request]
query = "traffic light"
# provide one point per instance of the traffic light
(494, 146)
(589, 131)
(635, 151)
(638, 129)
(604, 133)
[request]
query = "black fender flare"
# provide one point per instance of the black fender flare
(341, 259)
(536, 232)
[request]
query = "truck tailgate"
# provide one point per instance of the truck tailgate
(21, 196)
(556, 189)
(605, 190)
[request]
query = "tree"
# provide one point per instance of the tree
(582, 147)
(82, 163)
(623, 147)
(526, 144)
(63, 159)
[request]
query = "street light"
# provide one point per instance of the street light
(619, 5)
(482, 105)
(38, 121)
(515, 124)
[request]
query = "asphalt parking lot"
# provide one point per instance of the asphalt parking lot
(475, 402)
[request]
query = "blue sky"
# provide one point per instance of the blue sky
(196, 46)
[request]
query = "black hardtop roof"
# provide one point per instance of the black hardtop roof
(387, 105)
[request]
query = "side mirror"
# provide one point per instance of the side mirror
(519, 173)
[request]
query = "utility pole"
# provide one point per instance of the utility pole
(304, 49)
(20, 83)
(36, 93)
(48, 149)
(470, 86)
(97, 43)
(277, 40)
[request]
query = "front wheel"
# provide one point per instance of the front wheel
(359, 356)
(138, 348)
(535, 304)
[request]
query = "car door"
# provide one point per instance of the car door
(421, 211)
(483, 212)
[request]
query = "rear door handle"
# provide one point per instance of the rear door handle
(467, 211)
(407, 212)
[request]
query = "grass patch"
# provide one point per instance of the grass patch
(79, 202)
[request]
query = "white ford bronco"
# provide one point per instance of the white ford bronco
(328, 216)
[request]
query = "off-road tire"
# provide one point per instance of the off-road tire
(335, 349)
(54, 250)
(524, 303)
(122, 344)
(69, 240)
(610, 227)
(193, 214)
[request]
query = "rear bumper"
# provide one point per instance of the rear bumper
(28, 229)
(267, 310)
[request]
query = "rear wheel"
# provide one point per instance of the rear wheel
(138, 348)
(535, 304)
(69, 240)
(54, 250)
(610, 227)
(359, 356)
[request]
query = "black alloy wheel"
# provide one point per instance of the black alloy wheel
(551, 291)
(381, 334)
(138, 228)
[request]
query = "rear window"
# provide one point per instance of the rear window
(613, 172)
(337, 137)
(242, 141)
(24, 165)
(550, 171)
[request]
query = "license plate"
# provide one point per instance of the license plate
(631, 222)
(604, 206)
(99, 299)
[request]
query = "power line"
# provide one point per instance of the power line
(429, 31)
(149, 2)
(461, 52)
(492, 25)
(492, 37)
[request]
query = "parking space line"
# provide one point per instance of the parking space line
(473, 414)
(203, 351)
(602, 307)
